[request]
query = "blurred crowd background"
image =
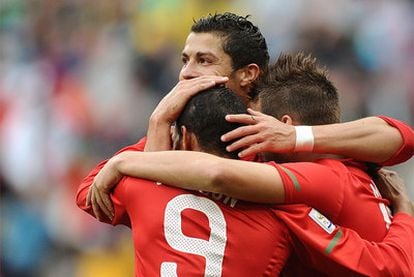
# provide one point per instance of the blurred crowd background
(79, 79)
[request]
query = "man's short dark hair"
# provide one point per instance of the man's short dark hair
(296, 85)
(204, 116)
(242, 40)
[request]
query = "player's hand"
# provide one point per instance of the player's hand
(392, 187)
(100, 190)
(171, 106)
(262, 133)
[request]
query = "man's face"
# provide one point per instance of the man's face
(203, 54)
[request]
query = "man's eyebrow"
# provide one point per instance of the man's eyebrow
(200, 53)
(207, 53)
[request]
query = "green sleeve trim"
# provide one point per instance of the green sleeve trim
(292, 177)
(333, 242)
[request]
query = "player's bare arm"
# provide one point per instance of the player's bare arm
(170, 107)
(368, 139)
(205, 172)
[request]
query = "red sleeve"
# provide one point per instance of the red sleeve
(406, 150)
(316, 185)
(87, 181)
(340, 251)
(119, 198)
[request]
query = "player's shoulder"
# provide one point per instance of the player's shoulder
(316, 166)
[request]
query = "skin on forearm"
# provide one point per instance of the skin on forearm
(369, 139)
(158, 135)
(193, 170)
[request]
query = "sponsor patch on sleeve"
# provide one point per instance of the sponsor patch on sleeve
(322, 221)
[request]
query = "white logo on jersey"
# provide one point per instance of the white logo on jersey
(322, 221)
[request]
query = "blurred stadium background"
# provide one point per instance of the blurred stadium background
(78, 80)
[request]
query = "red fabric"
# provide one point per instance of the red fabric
(339, 190)
(347, 195)
(88, 180)
(345, 253)
(252, 241)
(316, 180)
(406, 150)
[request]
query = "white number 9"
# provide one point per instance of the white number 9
(212, 249)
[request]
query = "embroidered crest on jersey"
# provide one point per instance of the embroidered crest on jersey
(322, 221)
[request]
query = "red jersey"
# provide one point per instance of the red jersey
(347, 195)
(406, 150)
(178, 233)
(339, 251)
(339, 190)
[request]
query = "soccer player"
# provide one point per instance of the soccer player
(177, 232)
(182, 233)
(213, 49)
(337, 188)
(230, 45)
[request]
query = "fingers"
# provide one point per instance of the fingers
(391, 177)
(244, 142)
(252, 150)
(101, 204)
(239, 132)
(395, 183)
(256, 113)
(88, 196)
(172, 104)
(204, 82)
(95, 207)
(391, 184)
(246, 119)
(106, 200)
(216, 78)
(251, 118)
(386, 171)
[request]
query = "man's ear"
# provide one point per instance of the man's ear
(188, 141)
(249, 74)
(184, 138)
(287, 119)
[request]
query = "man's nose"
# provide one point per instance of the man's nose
(188, 72)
